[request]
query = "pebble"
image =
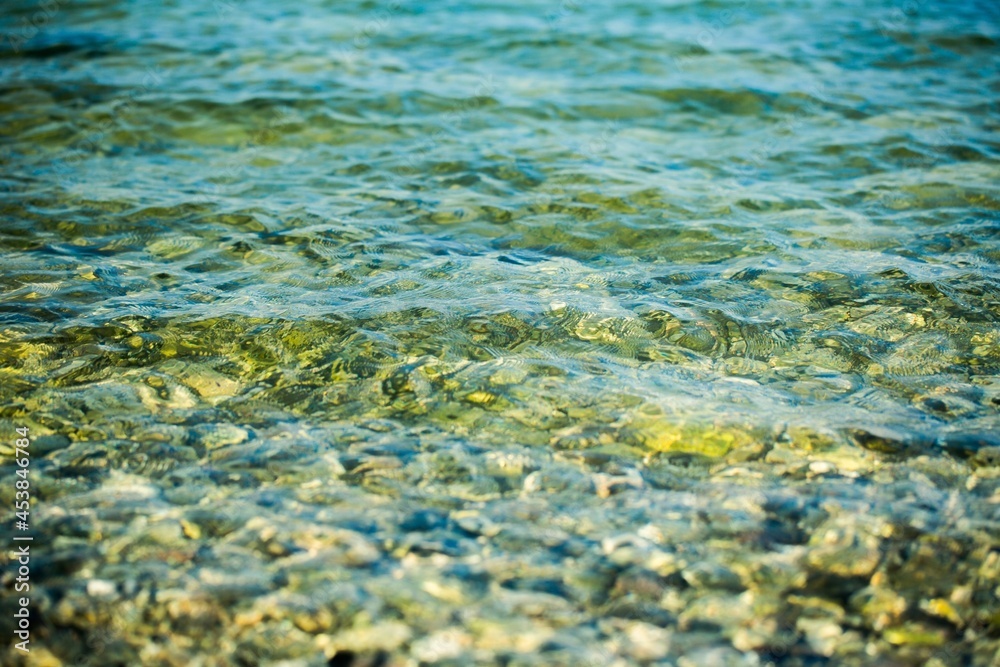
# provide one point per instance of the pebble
(101, 588)
(381, 636)
(646, 642)
(211, 385)
(444, 644)
(216, 436)
(711, 575)
(844, 547)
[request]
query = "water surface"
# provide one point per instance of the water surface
(532, 334)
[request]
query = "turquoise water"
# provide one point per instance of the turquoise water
(546, 333)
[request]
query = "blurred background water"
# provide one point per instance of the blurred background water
(546, 332)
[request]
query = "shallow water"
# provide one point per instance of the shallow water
(541, 334)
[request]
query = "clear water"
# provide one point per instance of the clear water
(533, 333)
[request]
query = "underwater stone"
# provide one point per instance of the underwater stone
(382, 636)
(211, 385)
(711, 575)
(915, 634)
(880, 607)
(214, 436)
(844, 546)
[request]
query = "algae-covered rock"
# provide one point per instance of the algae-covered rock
(661, 434)
(879, 606)
(915, 634)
